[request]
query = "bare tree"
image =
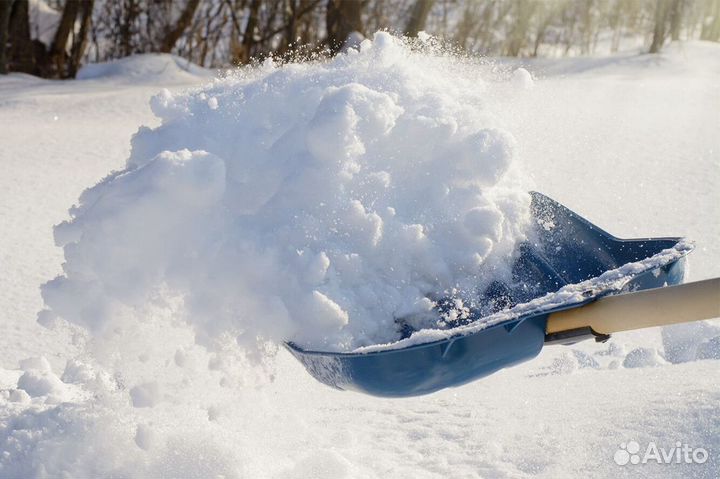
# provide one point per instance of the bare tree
(615, 22)
(130, 12)
(546, 13)
(342, 18)
(22, 56)
(517, 36)
(249, 35)
(58, 48)
(418, 17)
(676, 13)
(5, 7)
(172, 35)
(711, 21)
(465, 26)
(660, 30)
(377, 15)
(80, 40)
(587, 25)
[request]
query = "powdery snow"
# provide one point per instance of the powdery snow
(610, 282)
(307, 202)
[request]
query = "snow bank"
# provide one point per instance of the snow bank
(307, 202)
(146, 68)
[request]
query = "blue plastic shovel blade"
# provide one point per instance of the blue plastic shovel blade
(572, 250)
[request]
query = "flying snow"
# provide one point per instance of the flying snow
(312, 202)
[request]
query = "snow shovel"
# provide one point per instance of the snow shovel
(630, 284)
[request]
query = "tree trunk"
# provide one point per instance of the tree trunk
(659, 33)
(569, 23)
(464, 27)
(711, 30)
(173, 35)
(676, 15)
(418, 17)
(617, 32)
(517, 36)
(342, 18)
(290, 30)
(81, 40)
(249, 35)
(22, 57)
(131, 10)
(540, 36)
(58, 49)
(586, 29)
(5, 7)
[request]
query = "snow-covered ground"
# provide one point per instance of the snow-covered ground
(629, 141)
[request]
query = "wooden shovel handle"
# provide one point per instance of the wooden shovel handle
(644, 309)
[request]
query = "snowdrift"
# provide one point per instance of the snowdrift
(161, 68)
